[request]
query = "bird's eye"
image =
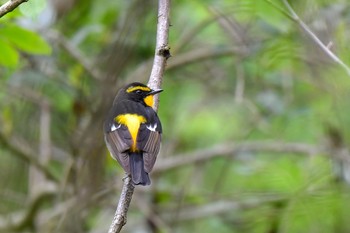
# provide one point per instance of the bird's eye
(138, 91)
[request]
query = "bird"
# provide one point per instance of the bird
(132, 131)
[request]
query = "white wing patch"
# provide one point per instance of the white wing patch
(152, 127)
(114, 128)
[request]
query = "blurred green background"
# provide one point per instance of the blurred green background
(255, 116)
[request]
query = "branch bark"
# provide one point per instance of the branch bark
(162, 53)
(120, 215)
(10, 6)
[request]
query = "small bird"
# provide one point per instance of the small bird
(133, 131)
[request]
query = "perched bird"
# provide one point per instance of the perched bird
(133, 131)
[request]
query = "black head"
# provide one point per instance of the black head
(138, 92)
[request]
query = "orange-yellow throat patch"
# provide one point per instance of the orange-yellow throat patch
(149, 100)
(132, 122)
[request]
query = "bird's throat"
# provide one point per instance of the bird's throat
(149, 100)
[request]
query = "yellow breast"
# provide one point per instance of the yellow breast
(132, 122)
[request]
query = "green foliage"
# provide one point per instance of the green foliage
(24, 40)
(15, 39)
(247, 74)
(9, 55)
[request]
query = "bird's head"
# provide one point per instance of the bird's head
(139, 92)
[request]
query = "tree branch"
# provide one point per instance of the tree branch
(219, 207)
(190, 57)
(162, 53)
(120, 215)
(10, 6)
(25, 153)
(21, 220)
(291, 14)
(230, 149)
(75, 53)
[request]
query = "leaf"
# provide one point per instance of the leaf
(25, 40)
(9, 55)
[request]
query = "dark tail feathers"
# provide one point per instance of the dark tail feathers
(138, 174)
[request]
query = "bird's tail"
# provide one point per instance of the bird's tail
(137, 170)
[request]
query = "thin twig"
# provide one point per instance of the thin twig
(162, 53)
(334, 57)
(10, 6)
(294, 16)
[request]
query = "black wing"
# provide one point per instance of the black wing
(148, 140)
(119, 141)
(117, 137)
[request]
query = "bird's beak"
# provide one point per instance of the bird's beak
(153, 92)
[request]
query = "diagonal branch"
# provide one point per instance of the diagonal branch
(312, 35)
(9, 6)
(25, 153)
(75, 53)
(162, 53)
(291, 14)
